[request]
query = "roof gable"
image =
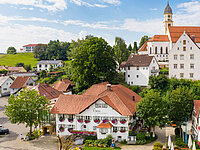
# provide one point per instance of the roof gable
(3, 80)
(19, 82)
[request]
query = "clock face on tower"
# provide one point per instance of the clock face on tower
(169, 16)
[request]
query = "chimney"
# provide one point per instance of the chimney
(133, 98)
(193, 38)
(108, 87)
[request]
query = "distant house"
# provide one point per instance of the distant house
(13, 69)
(47, 91)
(196, 120)
(46, 64)
(5, 83)
(19, 83)
(103, 109)
(65, 86)
(138, 68)
(33, 75)
(29, 48)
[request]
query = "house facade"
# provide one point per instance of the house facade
(196, 121)
(46, 64)
(19, 83)
(29, 48)
(5, 83)
(101, 110)
(138, 69)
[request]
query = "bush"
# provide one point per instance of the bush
(140, 142)
(180, 143)
(158, 148)
(108, 140)
(123, 142)
(140, 136)
(157, 145)
(89, 137)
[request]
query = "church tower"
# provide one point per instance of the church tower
(168, 18)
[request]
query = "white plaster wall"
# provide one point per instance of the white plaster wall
(48, 66)
(92, 111)
(187, 61)
(5, 88)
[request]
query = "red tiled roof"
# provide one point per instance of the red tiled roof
(19, 82)
(196, 106)
(144, 47)
(32, 45)
(68, 81)
(176, 31)
(62, 85)
(105, 125)
(119, 98)
(159, 38)
(14, 68)
(122, 64)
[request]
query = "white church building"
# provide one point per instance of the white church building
(179, 45)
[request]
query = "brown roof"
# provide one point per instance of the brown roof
(105, 125)
(119, 98)
(122, 64)
(176, 31)
(138, 60)
(144, 47)
(196, 106)
(159, 38)
(46, 90)
(14, 68)
(68, 81)
(62, 85)
(19, 82)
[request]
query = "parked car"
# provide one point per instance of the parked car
(3, 130)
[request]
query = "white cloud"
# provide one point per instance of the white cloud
(114, 2)
(19, 35)
(51, 5)
(188, 14)
(154, 9)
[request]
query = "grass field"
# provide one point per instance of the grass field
(12, 59)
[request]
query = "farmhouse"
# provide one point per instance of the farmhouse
(103, 109)
(5, 83)
(47, 64)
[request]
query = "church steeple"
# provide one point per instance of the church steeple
(168, 17)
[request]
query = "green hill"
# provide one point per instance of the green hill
(12, 59)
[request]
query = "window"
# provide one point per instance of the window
(175, 66)
(161, 50)
(153, 61)
(128, 67)
(191, 75)
(184, 42)
(128, 75)
(137, 76)
(94, 127)
(191, 66)
(40, 66)
(175, 57)
(4, 89)
(156, 51)
(181, 57)
(143, 68)
(104, 105)
(181, 66)
(131, 82)
(181, 75)
(184, 48)
(177, 48)
(97, 105)
(150, 50)
(103, 130)
(191, 56)
(146, 68)
(166, 50)
(138, 68)
(190, 48)
(45, 65)
(115, 129)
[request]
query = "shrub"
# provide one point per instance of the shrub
(108, 140)
(123, 142)
(180, 143)
(141, 142)
(157, 148)
(140, 136)
(157, 145)
(89, 137)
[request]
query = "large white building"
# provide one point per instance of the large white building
(179, 45)
(103, 109)
(138, 68)
(46, 64)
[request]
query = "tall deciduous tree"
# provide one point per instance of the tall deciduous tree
(40, 51)
(153, 109)
(143, 40)
(121, 52)
(95, 58)
(11, 50)
(27, 108)
(180, 104)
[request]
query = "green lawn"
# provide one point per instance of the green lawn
(12, 59)
(98, 148)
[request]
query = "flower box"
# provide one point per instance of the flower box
(122, 131)
(114, 121)
(87, 121)
(61, 129)
(61, 119)
(97, 121)
(123, 121)
(105, 120)
(80, 120)
(70, 120)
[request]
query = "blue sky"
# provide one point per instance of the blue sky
(38, 21)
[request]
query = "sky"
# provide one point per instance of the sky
(39, 21)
